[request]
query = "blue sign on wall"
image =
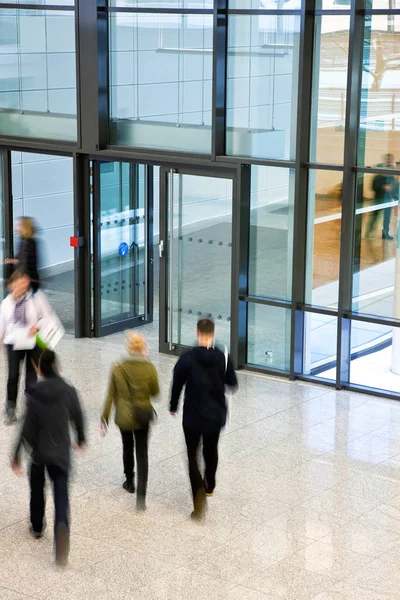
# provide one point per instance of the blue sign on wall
(123, 249)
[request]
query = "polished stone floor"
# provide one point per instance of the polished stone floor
(307, 504)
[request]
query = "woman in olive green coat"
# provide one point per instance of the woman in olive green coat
(132, 383)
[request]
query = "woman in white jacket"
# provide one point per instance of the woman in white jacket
(21, 314)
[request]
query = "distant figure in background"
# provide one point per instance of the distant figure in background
(52, 406)
(27, 257)
(385, 188)
(132, 384)
(21, 314)
(205, 371)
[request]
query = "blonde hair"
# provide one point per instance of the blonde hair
(135, 343)
(27, 227)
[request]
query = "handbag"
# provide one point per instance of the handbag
(143, 417)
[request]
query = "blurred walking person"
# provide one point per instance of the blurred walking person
(132, 384)
(21, 314)
(52, 406)
(385, 189)
(205, 371)
(27, 257)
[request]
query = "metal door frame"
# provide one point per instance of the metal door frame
(99, 330)
(165, 273)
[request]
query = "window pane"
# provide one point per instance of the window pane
(161, 81)
(267, 4)
(380, 97)
(323, 238)
(375, 356)
(320, 340)
(333, 4)
(43, 189)
(263, 56)
(40, 2)
(329, 88)
(269, 336)
(271, 232)
(200, 4)
(38, 74)
(376, 261)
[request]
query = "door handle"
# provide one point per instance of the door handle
(161, 248)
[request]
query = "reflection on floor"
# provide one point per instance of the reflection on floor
(306, 505)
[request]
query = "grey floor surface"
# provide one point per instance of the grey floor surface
(307, 504)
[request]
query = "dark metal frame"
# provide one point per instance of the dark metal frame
(92, 41)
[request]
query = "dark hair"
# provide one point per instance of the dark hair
(45, 361)
(205, 326)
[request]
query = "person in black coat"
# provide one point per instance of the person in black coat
(27, 257)
(52, 405)
(385, 190)
(205, 371)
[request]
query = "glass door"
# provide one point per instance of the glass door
(195, 256)
(122, 246)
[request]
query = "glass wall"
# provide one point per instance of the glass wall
(331, 49)
(380, 94)
(161, 80)
(375, 246)
(323, 238)
(299, 113)
(262, 84)
(38, 74)
(42, 188)
(271, 232)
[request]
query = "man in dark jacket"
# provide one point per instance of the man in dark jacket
(385, 189)
(51, 406)
(205, 371)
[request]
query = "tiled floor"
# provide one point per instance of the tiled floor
(307, 504)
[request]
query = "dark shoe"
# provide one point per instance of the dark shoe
(209, 491)
(62, 544)
(199, 505)
(195, 516)
(35, 534)
(140, 504)
(129, 486)
(386, 236)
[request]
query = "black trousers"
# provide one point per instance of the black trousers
(15, 358)
(387, 214)
(59, 478)
(210, 454)
(140, 436)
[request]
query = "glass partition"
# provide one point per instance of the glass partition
(271, 232)
(263, 57)
(328, 113)
(122, 246)
(376, 260)
(320, 346)
(269, 330)
(323, 238)
(380, 94)
(161, 81)
(198, 256)
(38, 74)
(42, 188)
